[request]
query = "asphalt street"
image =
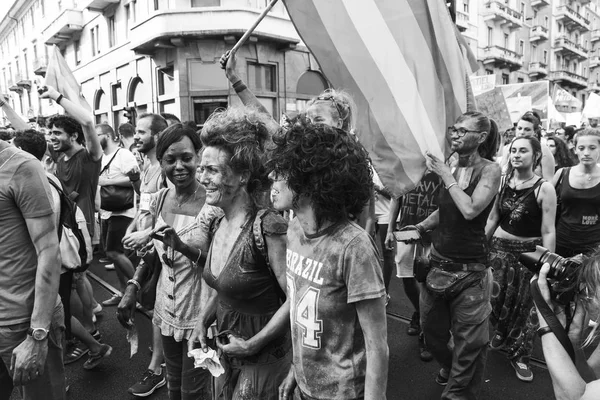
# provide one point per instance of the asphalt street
(409, 378)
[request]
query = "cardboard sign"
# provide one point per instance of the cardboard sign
(517, 106)
(482, 83)
(493, 105)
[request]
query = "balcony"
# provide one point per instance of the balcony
(462, 20)
(538, 33)
(502, 58)
(537, 4)
(68, 24)
(595, 35)
(14, 87)
(594, 86)
(170, 28)
(23, 81)
(571, 19)
(569, 50)
(594, 62)
(500, 12)
(98, 5)
(39, 65)
(537, 70)
(569, 79)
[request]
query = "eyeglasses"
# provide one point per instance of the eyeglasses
(328, 97)
(460, 132)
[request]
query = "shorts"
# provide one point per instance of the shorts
(113, 231)
(405, 257)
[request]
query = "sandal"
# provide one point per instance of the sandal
(75, 352)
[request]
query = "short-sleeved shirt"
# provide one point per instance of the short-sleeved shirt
(80, 174)
(123, 162)
(151, 181)
(327, 275)
(24, 193)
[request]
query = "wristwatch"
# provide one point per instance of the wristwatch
(38, 334)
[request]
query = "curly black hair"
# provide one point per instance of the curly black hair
(326, 165)
(69, 125)
(242, 132)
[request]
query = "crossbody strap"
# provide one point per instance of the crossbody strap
(111, 160)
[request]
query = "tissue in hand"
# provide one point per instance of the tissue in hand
(209, 360)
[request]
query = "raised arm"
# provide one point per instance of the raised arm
(547, 197)
(17, 122)
(237, 347)
(83, 116)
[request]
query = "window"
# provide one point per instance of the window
(522, 11)
(559, 28)
(505, 79)
(203, 108)
(77, 51)
(110, 21)
(166, 81)
(545, 22)
(261, 77)
(466, 6)
(42, 10)
(520, 80)
(533, 51)
(490, 35)
(584, 72)
(521, 47)
(116, 93)
(25, 70)
(489, 72)
(506, 40)
(127, 17)
(35, 51)
(206, 3)
(156, 5)
(545, 60)
(95, 40)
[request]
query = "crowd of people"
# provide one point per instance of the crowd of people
(276, 245)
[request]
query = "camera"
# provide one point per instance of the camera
(563, 271)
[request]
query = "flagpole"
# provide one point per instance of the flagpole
(246, 35)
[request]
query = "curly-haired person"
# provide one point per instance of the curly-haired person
(335, 282)
(244, 276)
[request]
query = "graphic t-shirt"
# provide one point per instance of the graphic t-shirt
(24, 193)
(327, 275)
(420, 202)
(79, 174)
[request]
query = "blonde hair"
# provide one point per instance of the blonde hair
(341, 105)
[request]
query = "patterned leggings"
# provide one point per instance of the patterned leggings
(513, 311)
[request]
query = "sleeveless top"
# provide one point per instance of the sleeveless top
(247, 295)
(526, 219)
(578, 226)
(457, 238)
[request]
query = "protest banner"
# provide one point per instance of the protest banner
(562, 98)
(592, 106)
(493, 105)
(406, 69)
(517, 106)
(482, 83)
(539, 93)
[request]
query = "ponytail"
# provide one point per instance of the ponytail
(489, 147)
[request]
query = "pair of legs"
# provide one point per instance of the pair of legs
(183, 380)
(466, 315)
(113, 230)
(51, 384)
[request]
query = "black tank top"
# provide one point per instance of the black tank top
(457, 238)
(578, 225)
(526, 218)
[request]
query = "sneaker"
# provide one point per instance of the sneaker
(97, 309)
(75, 350)
(104, 260)
(497, 342)
(424, 353)
(95, 359)
(522, 370)
(113, 301)
(414, 328)
(149, 383)
(442, 377)
(109, 267)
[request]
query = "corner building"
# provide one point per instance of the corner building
(155, 56)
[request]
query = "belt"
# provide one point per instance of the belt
(450, 266)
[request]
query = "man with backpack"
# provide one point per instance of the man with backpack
(75, 249)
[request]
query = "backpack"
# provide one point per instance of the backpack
(75, 241)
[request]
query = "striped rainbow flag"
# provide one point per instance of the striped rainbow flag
(402, 62)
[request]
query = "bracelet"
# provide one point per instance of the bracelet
(450, 185)
(239, 86)
(136, 283)
(543, 330)
(58, 99)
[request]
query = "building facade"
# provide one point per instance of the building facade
(532, 40)
(154, 56)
